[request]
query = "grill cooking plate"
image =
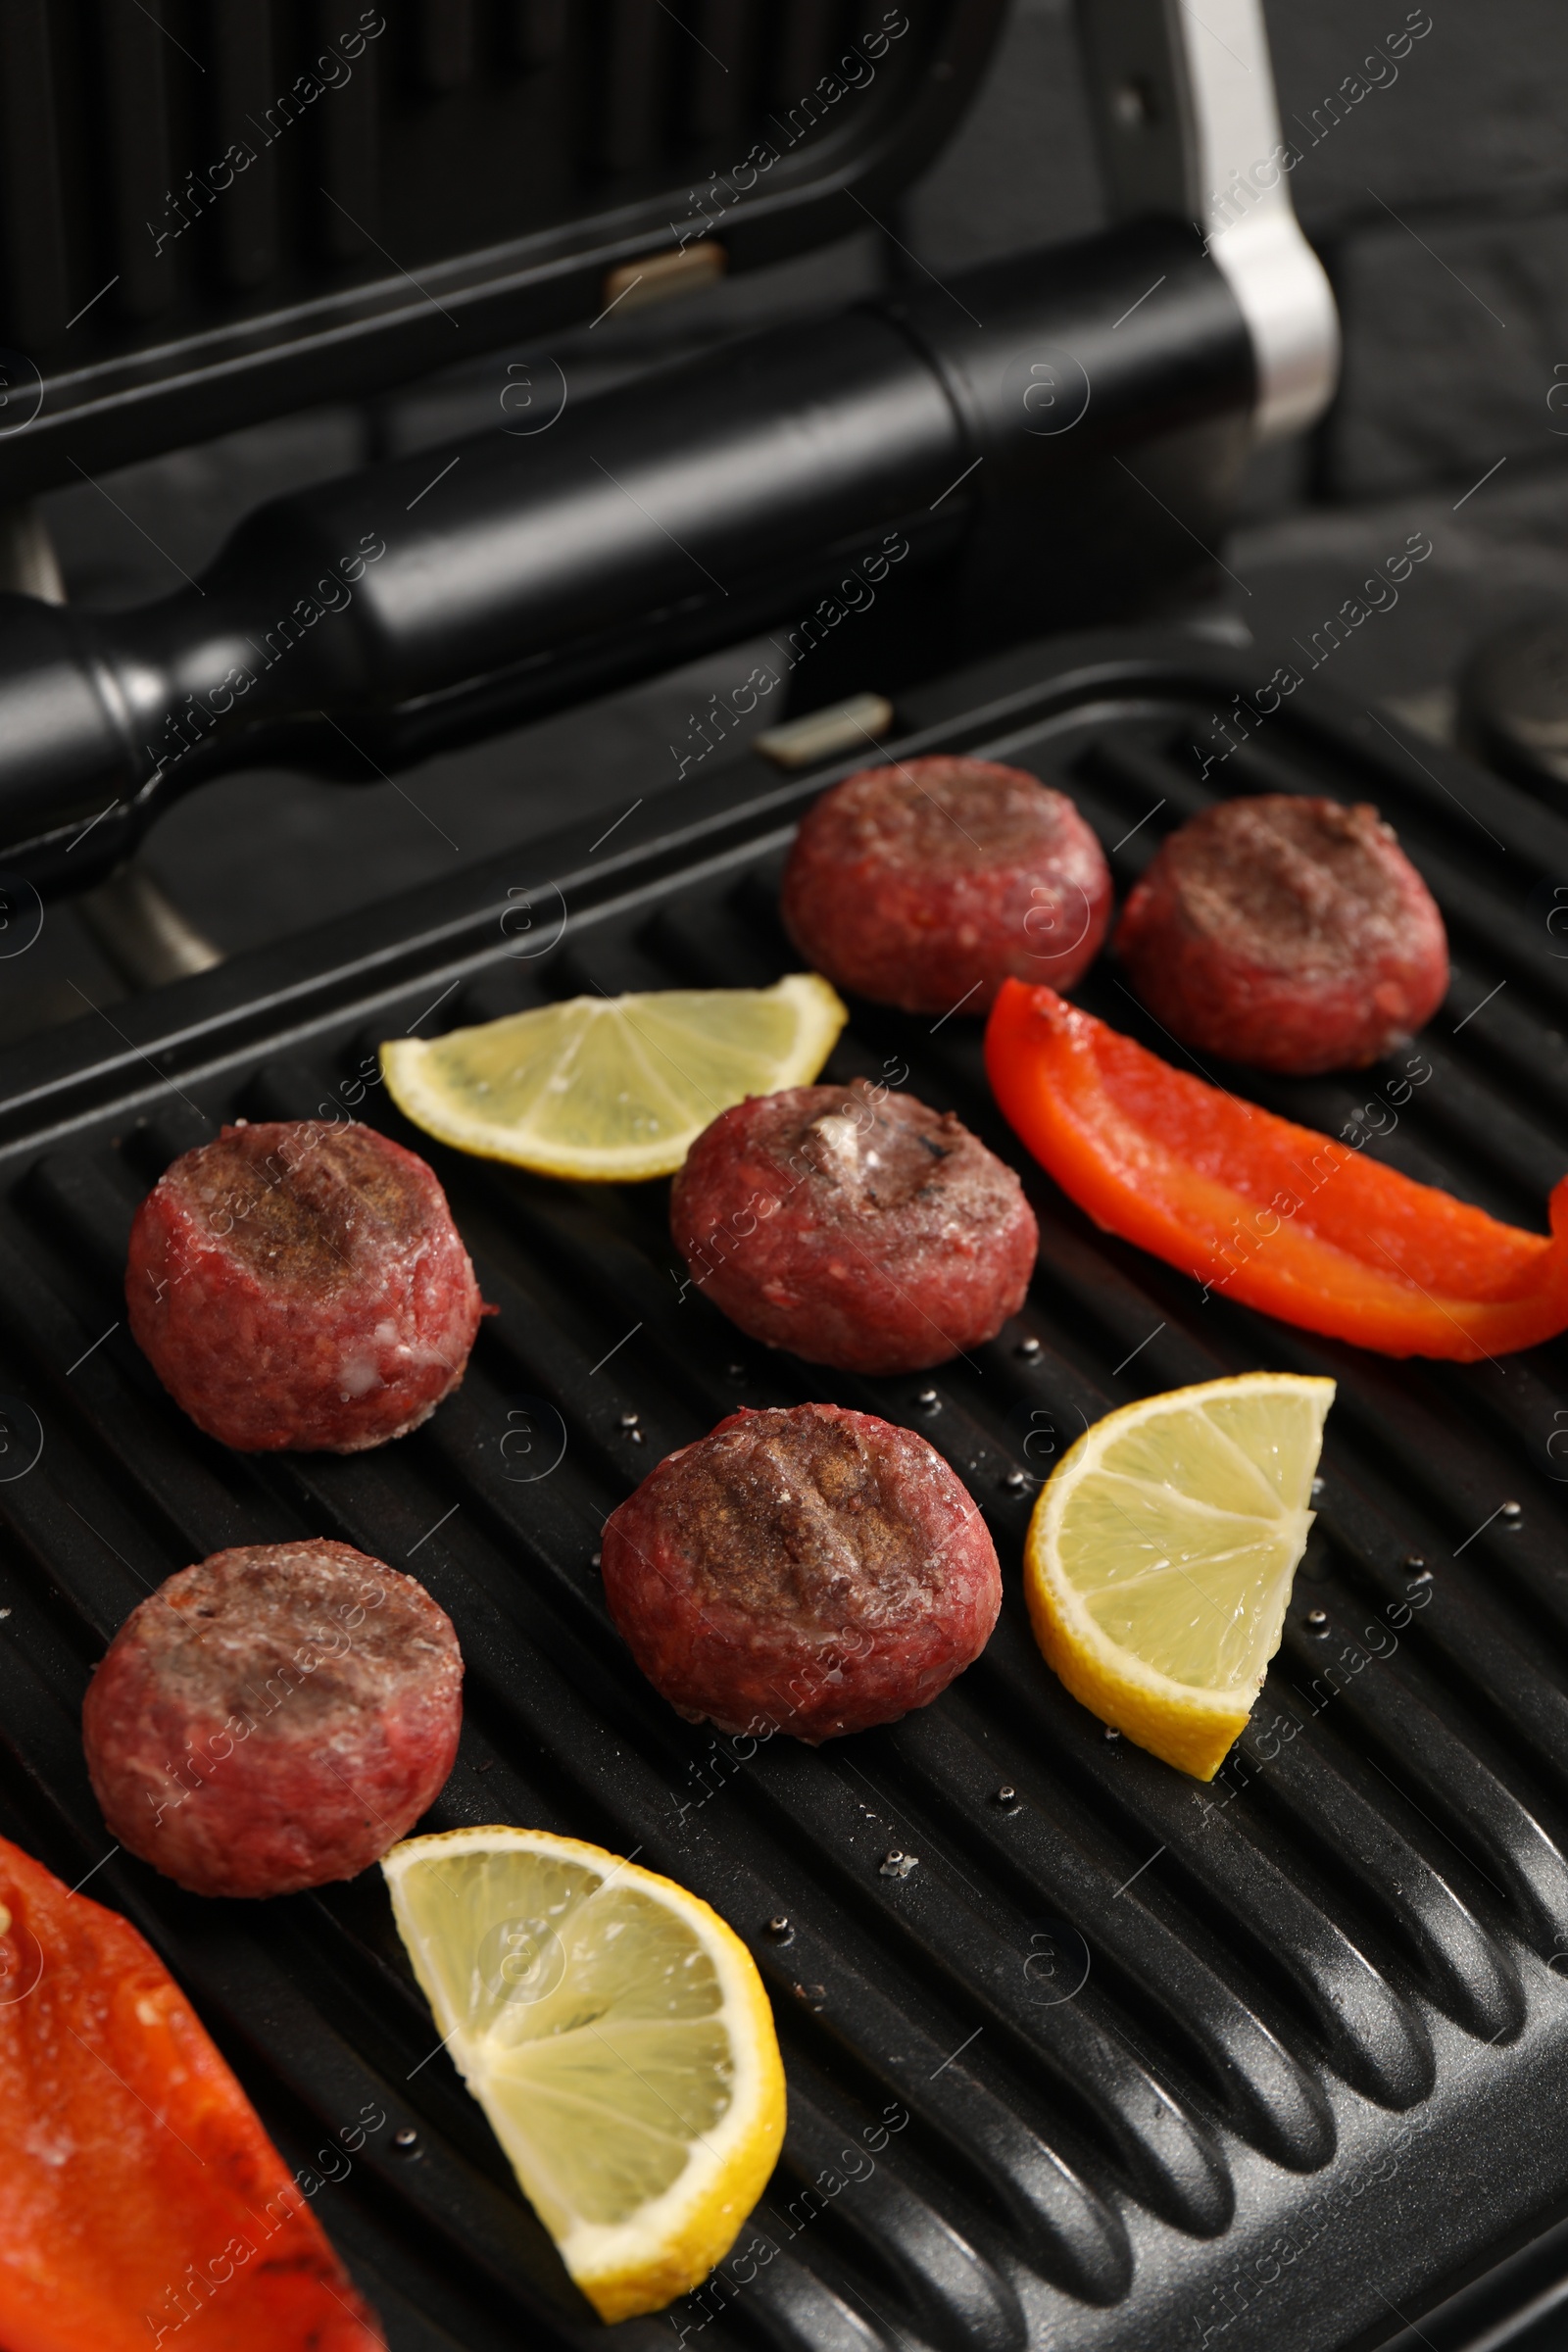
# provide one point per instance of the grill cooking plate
(1078, 2051)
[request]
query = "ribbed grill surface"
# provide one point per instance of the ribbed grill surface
(1120, 2061)
(196, 156)
(214, 215)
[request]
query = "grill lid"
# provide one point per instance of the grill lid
(211, 215)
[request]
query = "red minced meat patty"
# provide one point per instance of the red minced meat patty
(301, 1285)
(278, 1716)
(928, 884)
(1287, 932)
(854, 1226)
(810, 1571)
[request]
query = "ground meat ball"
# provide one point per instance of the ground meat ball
(1291, 933)
(813, 1571)
(854, 1226)
(301, 1285)
(278, 1716)
(927, 884)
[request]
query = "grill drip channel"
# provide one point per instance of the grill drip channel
(1078, 2049)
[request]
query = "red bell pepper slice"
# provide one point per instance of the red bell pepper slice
(1258, 1210)
(141, 2203)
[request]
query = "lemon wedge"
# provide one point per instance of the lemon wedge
(1162, 1553)
(617, 2034)
(612, 1088)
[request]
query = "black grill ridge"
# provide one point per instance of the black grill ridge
(1315, 2059)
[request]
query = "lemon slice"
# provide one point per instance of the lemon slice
(610, 1089)
(617, 2034)
(1161, 1554)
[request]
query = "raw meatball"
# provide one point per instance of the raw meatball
(813, 1571)
(1288, 932)
(301, 1285)
(927, 884)
(855, 1226)
(273, 1718)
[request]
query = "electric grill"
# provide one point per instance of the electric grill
(1273, 2065)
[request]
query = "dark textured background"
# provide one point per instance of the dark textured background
(1439, 204)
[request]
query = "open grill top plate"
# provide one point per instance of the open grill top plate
(1120, 2060)
(212, 216)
